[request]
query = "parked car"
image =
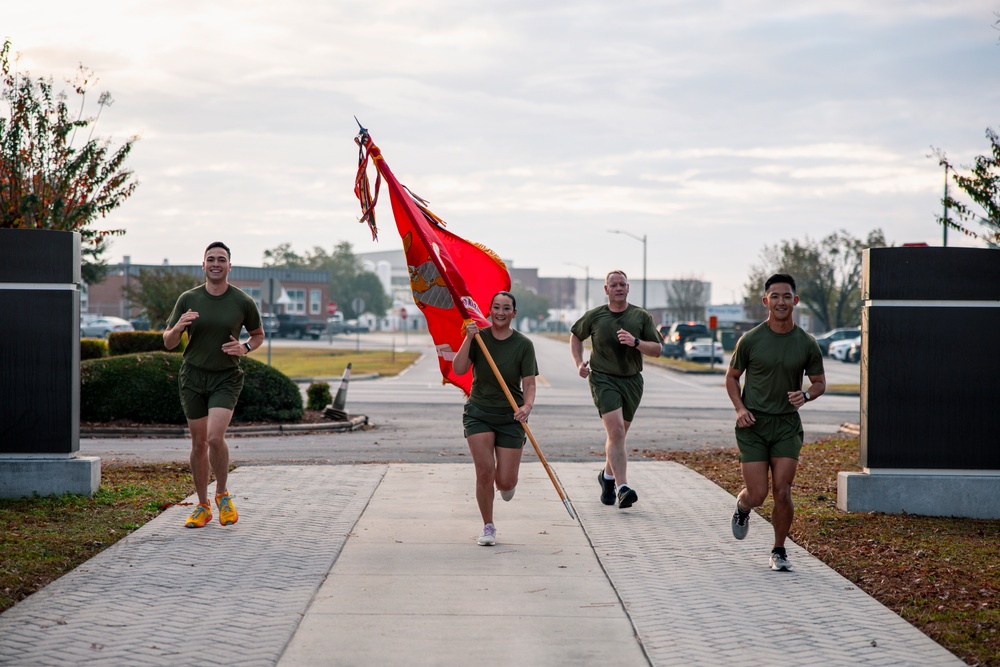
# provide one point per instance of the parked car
(839, 348)
(271, 323)
(141, 323)
(335, 324)
(679, 333)
(703, 349)
(832, 336)
(671, 351)
(102, 326)
(298, 326)
(353, 326)
(338, 325)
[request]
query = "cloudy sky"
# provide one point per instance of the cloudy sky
(711, 127)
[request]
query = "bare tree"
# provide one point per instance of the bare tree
(827, 275)
(687, 298)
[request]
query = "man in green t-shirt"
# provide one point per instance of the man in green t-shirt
(620, 334)
(774, 355)
(211, 379)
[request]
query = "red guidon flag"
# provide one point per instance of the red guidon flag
(449, 276)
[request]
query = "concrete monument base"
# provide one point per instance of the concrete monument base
(973, 494)
(46, 474)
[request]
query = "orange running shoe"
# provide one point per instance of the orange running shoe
(227, 509)
(202, 514)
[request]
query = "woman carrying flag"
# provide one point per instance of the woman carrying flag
(493, 429)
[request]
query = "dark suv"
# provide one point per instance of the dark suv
(298, 326)
(673, 339)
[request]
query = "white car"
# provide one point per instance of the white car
(103, 326)
(701, 349)
(839, 348)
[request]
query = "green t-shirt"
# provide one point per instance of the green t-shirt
(514, 357)
(219, 317)
(774, 365)
(607, 355)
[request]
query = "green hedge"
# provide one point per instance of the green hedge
(93, 348)
(143, 388)
(318, 395)
(129, 342)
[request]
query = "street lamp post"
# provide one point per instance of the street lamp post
(586, 285)
(643, 239)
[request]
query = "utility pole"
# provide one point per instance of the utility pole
(586, 285)
(944, 224)
(643, 240)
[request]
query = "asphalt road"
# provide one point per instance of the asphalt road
(416, 419)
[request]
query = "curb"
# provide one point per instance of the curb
(850, 429)
(352, 424)
(718, 370)
(367, 376)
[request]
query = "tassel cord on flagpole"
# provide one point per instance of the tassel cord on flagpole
(514, 405)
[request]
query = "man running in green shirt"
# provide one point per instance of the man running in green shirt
(620, 334)
(211, 379)
(774, 355)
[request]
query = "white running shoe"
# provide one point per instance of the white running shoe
(489, 536)
(779, 561)
(508, 494)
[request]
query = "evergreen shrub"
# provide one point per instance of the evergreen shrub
(268, 395)
(129, 342)
(93, 348)
(137, 387)
(318, 395)
(143, 388)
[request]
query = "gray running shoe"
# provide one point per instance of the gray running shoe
(508, 494)
(741, 523)
(779, 561)
(626, 497)
(607, 489)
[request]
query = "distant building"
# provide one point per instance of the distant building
(569, 297)
(292, 291)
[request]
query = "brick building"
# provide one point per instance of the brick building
(294, 291)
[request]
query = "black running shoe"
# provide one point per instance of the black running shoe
(626, 497)
(607, 489)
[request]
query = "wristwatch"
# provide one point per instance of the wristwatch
(637, 341)
(806, 396)
(250, 349)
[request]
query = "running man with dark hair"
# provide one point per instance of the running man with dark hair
(210, 378)
(774, 355)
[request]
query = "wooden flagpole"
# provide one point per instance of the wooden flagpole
(514, 405)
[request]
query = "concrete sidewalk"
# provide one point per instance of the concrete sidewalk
(378, 564)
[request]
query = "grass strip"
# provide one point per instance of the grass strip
(314, 362)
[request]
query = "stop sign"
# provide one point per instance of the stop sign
(331, 307)
(402, 313)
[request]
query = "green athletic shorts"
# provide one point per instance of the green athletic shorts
(202, 390)
(771, 436)
(509, 432)
(611, 392)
